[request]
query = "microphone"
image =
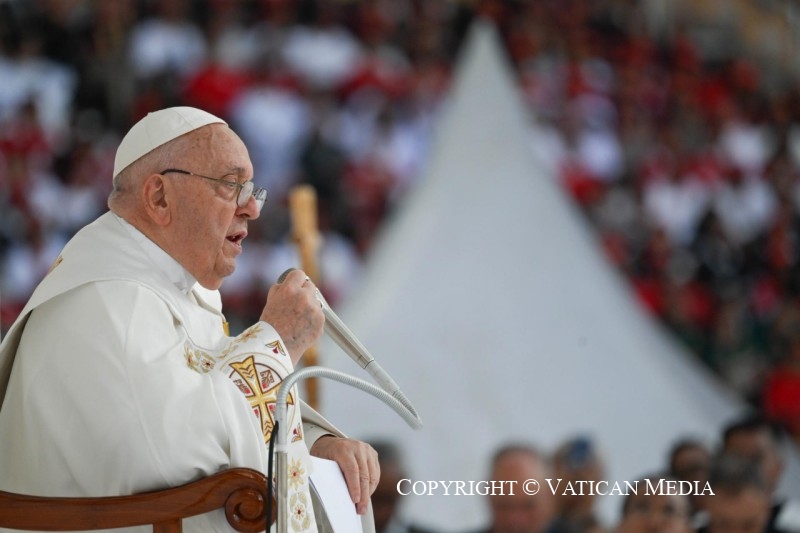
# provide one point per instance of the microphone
(347, 341)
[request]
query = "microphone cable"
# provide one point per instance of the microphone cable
(272, 438)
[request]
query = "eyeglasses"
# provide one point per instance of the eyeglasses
(246, 189)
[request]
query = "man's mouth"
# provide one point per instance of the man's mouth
(237, 237)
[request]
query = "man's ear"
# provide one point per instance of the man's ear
(156, 199)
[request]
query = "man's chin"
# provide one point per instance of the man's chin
(214, 280)
(211, 284)
(223, 271)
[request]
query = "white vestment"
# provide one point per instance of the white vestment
(117, 378)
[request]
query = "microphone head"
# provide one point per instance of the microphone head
(282, 277)
(322, 301)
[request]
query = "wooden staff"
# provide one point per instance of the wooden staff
(303, 209)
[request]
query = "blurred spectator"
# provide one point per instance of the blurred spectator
(676, 202)
(386, 156)
(22, 136)
(597, 146)
(323, 54)
(690, 460)
(26, 262)
(574, 461)
(745, 143)
(398, 146)
(754, 440)
(720, 260)
(30, 78)
(384, 66)
(741, 501)
(385, 499)
(224, 74)
(274, 122)
(519, 512)
(108, 83)
(745, 205)
(323, 162)
(736, 351)
(167, 43)
(652, 512)
(781, 394)
(166, 48)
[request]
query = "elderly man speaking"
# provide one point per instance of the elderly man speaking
(119, 376)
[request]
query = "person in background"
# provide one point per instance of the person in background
(690, 460)
(386, 498)
(652, 512)
(741, 500)
(520, 512)
(577, 460)
(754, 439)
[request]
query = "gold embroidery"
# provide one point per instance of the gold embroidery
(296, 474)
(297, 433)
(226, 328)
(248, 334)
(276, 347)
(198, 360)
(298, 504)
(261, 390)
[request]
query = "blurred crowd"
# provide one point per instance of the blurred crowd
(683, 153)
(728, 487)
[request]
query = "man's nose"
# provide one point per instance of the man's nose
(250, 210)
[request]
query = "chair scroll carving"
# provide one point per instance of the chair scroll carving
(241, 492)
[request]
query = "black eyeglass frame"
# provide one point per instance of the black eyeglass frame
(246, 189)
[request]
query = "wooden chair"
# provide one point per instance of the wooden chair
(242, 492)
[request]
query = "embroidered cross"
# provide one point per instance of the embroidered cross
(261, 390)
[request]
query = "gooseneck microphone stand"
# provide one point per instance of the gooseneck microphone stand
(396, 400)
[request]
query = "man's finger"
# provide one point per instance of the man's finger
(364, 479)
(349, 467)
(374, 470)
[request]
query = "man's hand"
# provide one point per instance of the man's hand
(293, 310)
(358, 462)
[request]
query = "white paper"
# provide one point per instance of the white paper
(329, 482)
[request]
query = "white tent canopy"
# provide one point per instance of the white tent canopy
(489, 302)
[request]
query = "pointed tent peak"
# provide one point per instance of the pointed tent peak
(481, 47)
(481, 178)
(486, 84)
(484, 113)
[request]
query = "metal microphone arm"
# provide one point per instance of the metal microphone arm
(406, 412)
(347, 341)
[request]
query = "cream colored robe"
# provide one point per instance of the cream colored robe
(122, 381)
